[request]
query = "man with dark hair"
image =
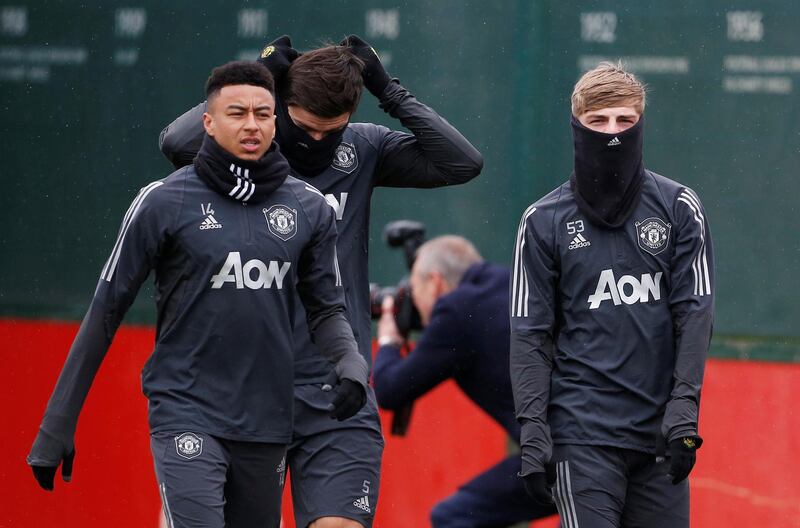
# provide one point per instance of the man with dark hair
(612, 305)
(335, 467)
(462, 304)
(220, 406)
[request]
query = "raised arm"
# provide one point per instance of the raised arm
(180, 140)
(434, 154)
(399, 381)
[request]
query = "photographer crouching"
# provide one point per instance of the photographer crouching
(463, 306)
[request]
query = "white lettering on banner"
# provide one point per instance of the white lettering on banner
(640, 63)
(130, 22)
(599, 27)
(243, 276)
(252, 23)
(14, 21)
(745, 26)
(628, 289)
(338, 205)
(382, 23)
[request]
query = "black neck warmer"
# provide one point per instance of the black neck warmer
(608, 173)
(306, 155)
(244, 180)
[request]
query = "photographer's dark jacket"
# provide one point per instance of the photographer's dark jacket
(228, 276)
(610, 327)
(467, 339)
(370, 155)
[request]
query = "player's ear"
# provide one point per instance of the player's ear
(272, 129)
(208, 124)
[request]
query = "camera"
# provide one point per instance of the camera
(408, 235)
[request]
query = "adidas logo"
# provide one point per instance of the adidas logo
(210, 223)
(281, 470)
(579, 242)
(362, 503)
(614, 142)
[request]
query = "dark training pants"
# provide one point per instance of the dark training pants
(609, 487)
(495, 498)
(210, 482)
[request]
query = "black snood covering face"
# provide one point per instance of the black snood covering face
(306, 155)
(608, 174)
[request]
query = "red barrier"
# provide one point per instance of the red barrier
(113, 482)
(746, 475)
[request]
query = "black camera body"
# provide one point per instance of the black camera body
(408, 235)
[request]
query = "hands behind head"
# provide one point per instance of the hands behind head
(277, 56)
(375, 76)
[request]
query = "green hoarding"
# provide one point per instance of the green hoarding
(86, 90)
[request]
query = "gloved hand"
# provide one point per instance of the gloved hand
(350, 398)
(539, 485)
(45, 475)
(277, 56)
(374, 74)
(683, 454)
(45, 447)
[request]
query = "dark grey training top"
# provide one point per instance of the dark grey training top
(370, 155)
(226, 273)
(610, 328)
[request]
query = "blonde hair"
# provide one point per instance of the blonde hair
(607, 85)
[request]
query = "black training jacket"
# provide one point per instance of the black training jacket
(610, 327)
(370, 155)
(226, 273)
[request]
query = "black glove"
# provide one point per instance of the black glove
(374, 74)
(277, 56)
(683, 454)
(539, 485)
(350, 398)
(45, 475)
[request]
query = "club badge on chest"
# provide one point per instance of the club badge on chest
(281, 221)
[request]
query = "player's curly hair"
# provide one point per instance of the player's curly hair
(326, 81)
(239, 72)
(607, 85)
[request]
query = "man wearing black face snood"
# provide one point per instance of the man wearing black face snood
(608, 173)
(318, 93)
(308, 156)
(611, 305)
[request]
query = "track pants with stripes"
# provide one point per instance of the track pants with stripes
(210, 482)
(609, 487)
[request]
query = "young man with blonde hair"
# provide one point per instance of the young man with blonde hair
(611, 316)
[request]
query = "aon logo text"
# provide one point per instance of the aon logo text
(254, 274)
(628, 289)
(338, 205)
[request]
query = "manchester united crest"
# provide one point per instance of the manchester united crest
(653, 235)
(345, 158)
(281, 221)
(189, 445)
